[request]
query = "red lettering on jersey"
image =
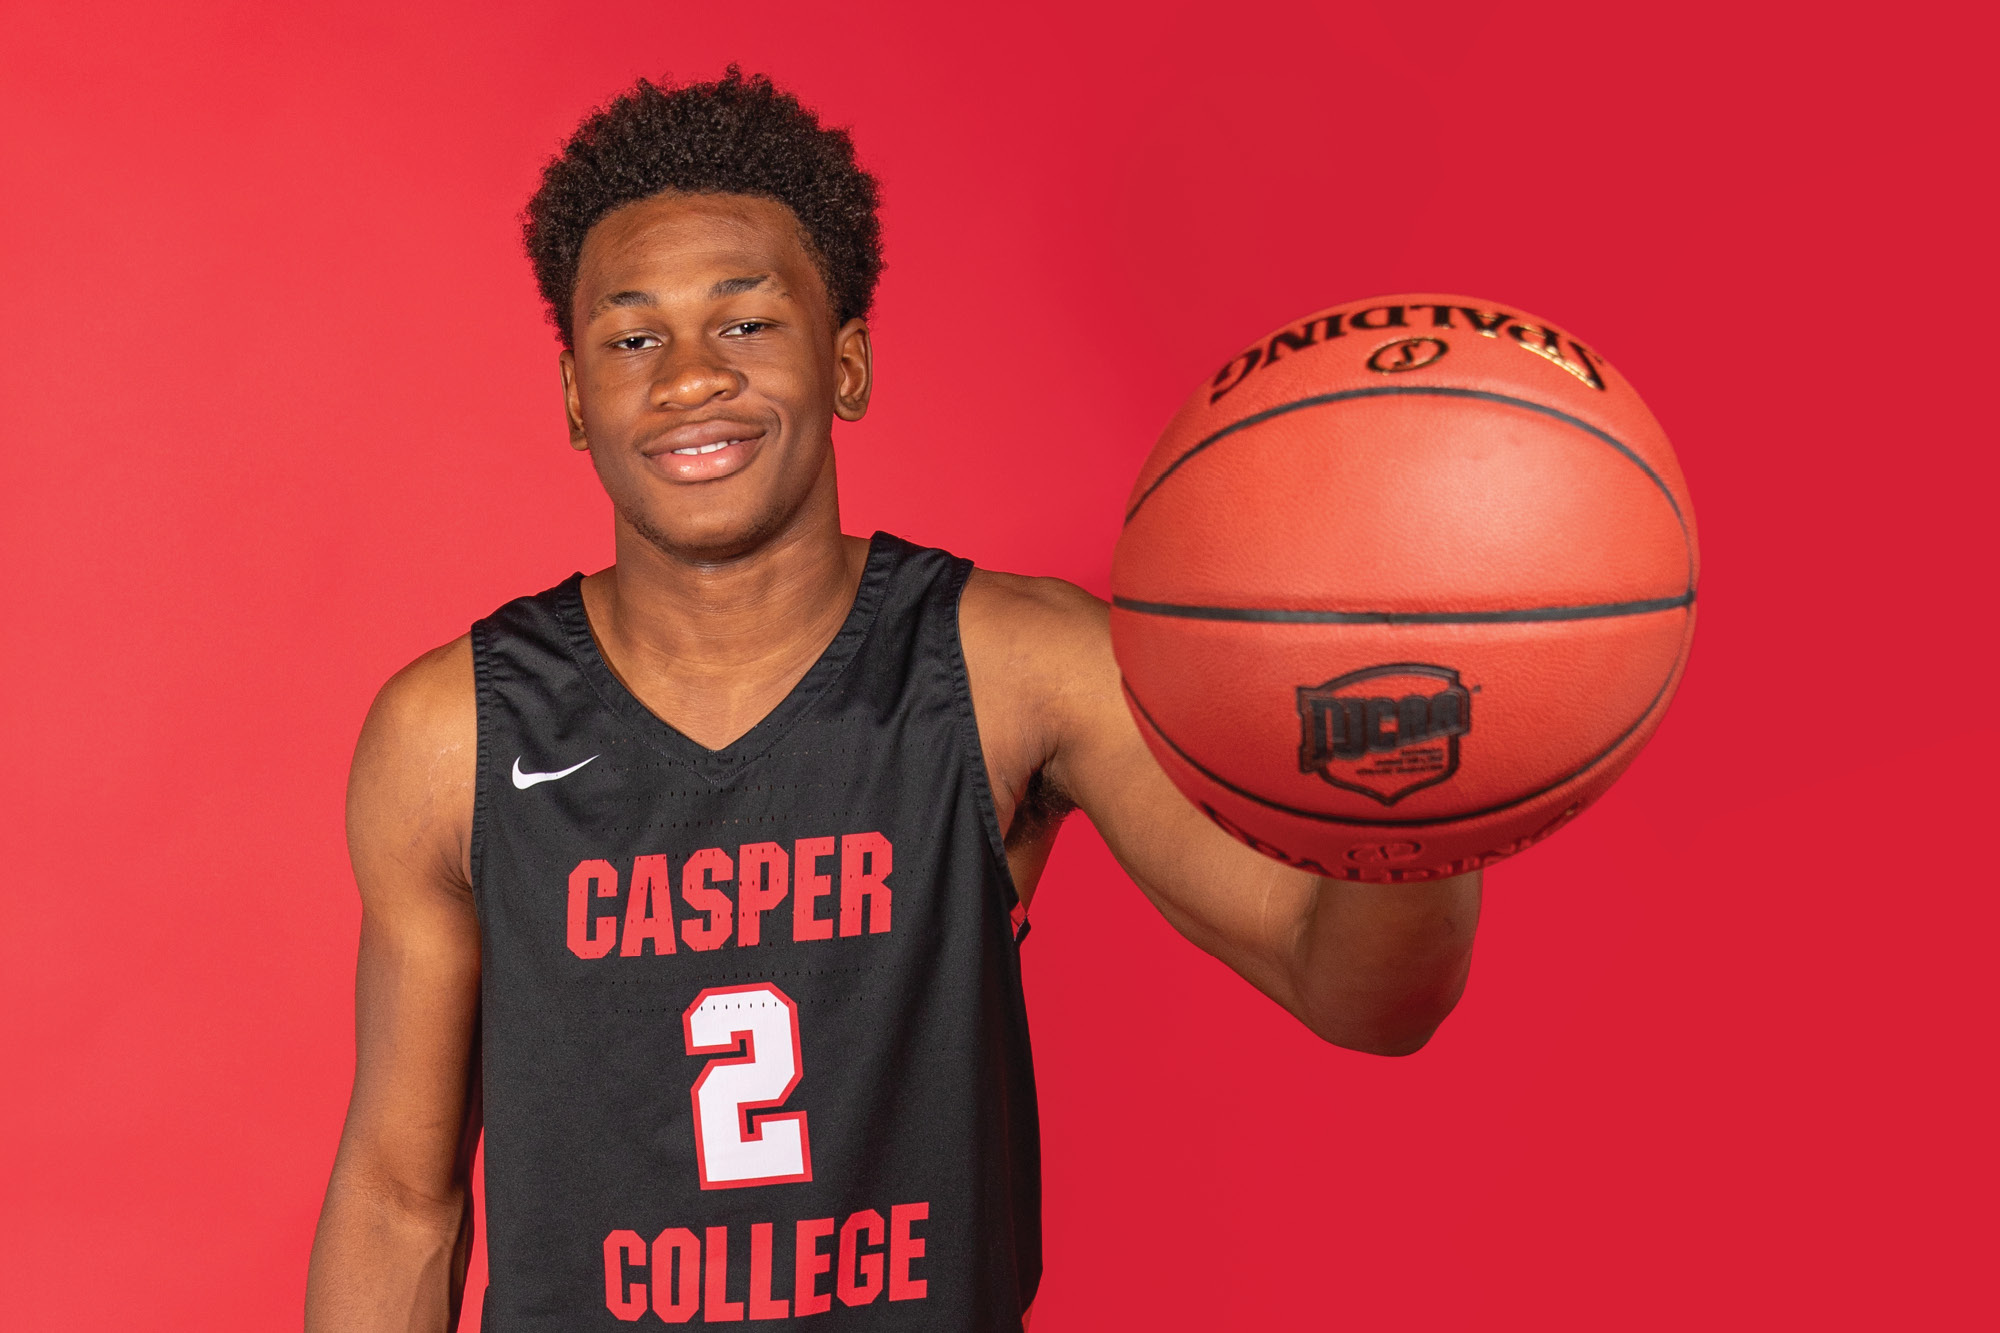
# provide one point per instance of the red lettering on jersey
(672, 1245)
(859, 1280)
(865, 862)
(762, 869)
(695, 874)
(762, 1306)
(591, 938)
(649, 908)
(905, 1249)
(717, 1308)
(690, 1276)
(623, 1297)
(808, 1262)
(808, 887)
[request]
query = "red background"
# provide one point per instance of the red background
(281, 413)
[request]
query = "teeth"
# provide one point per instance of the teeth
(708, 448)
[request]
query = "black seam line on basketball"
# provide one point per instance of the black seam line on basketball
(1273, 615)
(1420, 391)
(1282, 808)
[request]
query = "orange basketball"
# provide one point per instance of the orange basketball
(1404, 587)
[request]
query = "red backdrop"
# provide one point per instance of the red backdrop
(281, 413)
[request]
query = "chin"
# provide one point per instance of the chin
(723, 533)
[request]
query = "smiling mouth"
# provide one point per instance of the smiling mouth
(697, 451)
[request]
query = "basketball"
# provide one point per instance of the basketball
(1404, 587)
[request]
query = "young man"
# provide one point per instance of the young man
(698, 881)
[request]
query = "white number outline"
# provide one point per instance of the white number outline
(742, 1046)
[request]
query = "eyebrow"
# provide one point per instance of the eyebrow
(726, 287)
(618, 300)
(737, 286)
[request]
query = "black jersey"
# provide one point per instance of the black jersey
(751, 1020)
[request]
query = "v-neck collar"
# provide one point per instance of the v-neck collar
(662, 736)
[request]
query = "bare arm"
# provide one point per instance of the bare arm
(395, 1232)
(1374, 967)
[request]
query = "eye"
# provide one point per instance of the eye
(635, 342)
(744, 327)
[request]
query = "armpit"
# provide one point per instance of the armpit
(1041, 810)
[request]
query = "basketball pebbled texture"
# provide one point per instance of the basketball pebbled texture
(1404, 587)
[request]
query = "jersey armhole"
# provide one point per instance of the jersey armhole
(968, 721)
(482, 694)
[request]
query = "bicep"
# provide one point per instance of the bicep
(417, 972)
(416, 1007)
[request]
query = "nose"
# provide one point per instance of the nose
(693, 376)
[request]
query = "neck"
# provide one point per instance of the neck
(711, 646)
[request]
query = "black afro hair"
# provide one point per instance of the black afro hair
(734, 136)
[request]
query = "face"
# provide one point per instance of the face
(707, 371)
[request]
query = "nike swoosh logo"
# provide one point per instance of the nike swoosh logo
(523, 781)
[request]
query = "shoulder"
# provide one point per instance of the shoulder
(1030, 616)
(1039, 637)
(430, 701)
(1038, 656)
(416, 763)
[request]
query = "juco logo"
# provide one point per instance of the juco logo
(1384, 731)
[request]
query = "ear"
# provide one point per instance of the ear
(572, 401)
(854, 370)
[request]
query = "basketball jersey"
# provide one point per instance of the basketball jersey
(751, 1028)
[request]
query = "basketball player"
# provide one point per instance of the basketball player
(698, 882)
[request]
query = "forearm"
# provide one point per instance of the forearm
(385, 1260)
(1379, 966)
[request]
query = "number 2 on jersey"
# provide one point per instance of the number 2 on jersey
(754, 1030)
